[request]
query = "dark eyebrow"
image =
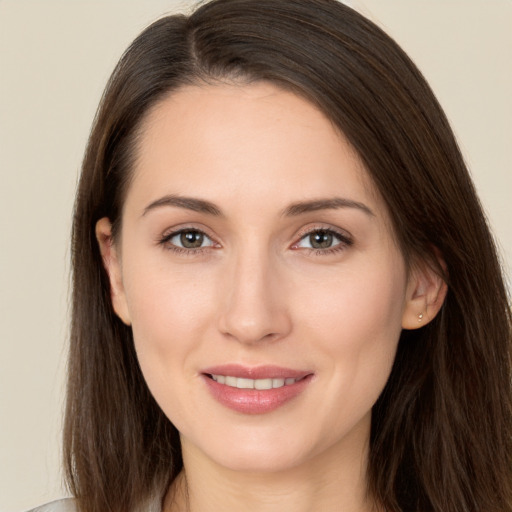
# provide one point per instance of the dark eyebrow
(325, 204)
(203, 206)
(189, 203)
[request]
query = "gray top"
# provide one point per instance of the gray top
(68, 505)
(65, 505)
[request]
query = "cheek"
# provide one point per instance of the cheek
(170, 314)
(356, 321)
(368, 300)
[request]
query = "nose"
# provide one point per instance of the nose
(254, 300)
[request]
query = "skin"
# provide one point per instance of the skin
(257, 293)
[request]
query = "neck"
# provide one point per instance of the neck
(332, 481)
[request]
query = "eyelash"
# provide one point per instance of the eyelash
(344, 239)
(165, 242)
(344, 242)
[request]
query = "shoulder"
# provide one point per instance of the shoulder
(65, 505)
(69, 505)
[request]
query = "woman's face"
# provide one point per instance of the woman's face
(255, 251)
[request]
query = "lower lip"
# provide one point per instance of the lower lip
(255, 401)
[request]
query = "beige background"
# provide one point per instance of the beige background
(55, 57)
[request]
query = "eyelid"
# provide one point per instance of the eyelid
(341, 233)
(170, 233)
(187, 227)
(178, 234)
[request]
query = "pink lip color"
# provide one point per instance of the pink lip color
(255, 401)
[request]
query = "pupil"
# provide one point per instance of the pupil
(320, 240)
(191, 239)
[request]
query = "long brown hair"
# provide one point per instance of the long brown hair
(441, 435)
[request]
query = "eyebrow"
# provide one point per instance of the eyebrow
(295, 209)
(189, 203)
(333, 203)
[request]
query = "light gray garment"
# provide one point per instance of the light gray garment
(68, 505)
(65, 505)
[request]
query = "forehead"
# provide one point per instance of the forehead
(245, 141)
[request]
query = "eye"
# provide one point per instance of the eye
(318, 240)
(188, 239)
(323, 240)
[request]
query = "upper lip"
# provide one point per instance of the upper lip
(256, 372)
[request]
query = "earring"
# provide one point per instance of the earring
(420, 317)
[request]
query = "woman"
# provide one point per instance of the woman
(286, 296)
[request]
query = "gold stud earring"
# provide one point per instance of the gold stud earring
(420, 317)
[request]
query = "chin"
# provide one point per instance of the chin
(259, 459)
(257, 450)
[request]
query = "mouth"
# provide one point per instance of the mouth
(255, 390)
(260, 384)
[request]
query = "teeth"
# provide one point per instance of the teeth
(240, 383)
(263, 383)
(231, 381)
(245, 383)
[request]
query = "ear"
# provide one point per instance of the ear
(112, 264)
(426, 291)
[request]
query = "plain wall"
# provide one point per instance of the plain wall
(55, 58)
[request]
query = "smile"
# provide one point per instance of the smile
(260, 384)
(255, 390)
